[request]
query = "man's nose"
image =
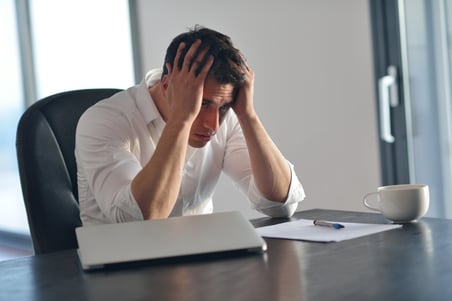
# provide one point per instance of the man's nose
(211, 120)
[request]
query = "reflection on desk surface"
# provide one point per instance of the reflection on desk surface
(412, 263)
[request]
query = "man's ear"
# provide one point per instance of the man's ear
(164, 84)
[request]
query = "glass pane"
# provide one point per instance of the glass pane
(12, 213)
(77, 44)
(429, 50)
(81, 44)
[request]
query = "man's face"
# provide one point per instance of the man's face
(217, 100)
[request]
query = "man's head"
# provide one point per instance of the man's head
(222, 83)
(226, 57)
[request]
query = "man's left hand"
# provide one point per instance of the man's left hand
(244, 105)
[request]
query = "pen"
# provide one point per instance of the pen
(328, 224)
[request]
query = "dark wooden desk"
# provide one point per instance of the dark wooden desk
(412, 263)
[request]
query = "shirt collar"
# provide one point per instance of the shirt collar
(144, 101)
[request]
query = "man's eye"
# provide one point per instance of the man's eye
(224, 109)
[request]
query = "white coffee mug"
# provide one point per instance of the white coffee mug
(400, 203)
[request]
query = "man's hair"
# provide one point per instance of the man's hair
(226, 57)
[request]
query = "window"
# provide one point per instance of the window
(12, 215)
(74, 44)
(81, 44)
(428, 27)
(415, 37)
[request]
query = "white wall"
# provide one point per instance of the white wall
(314, 85)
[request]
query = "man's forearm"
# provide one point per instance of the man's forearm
(270, 169)
(157, 185)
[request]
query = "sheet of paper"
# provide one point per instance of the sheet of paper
(304, 229)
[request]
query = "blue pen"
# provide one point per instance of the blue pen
(328, 224)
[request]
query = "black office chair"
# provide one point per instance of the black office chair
(45, 144)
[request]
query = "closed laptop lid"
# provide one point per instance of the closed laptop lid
(101, 245)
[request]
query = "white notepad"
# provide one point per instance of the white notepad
(304, 229)
(102, 245)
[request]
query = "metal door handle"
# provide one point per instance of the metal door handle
(388, 92)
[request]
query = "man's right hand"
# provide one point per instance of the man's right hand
(157, 185)
(185, 85)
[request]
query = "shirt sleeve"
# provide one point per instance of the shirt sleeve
(104, 156)
(237, 166)
(276, 209)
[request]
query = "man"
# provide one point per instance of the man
(157, 149)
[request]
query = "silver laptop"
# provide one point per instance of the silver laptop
(109, 244)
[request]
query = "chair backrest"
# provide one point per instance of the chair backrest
(45, 145)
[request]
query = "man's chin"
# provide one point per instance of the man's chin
(197, 144)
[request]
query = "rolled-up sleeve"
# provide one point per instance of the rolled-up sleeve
(106, 168)
(238, 167)
(276, 209)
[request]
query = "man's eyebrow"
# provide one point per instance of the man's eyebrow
(209, 101)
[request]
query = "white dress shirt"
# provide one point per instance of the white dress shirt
(117, 137)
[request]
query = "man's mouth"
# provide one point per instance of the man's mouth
(204, 137)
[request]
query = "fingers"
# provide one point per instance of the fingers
(193, 60)
(168, 67)
(177, 63)
(245, 62)
(200, 61)
(190, 56)
(242, 68)
(204, 69)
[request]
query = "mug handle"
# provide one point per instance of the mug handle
(367, 204)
